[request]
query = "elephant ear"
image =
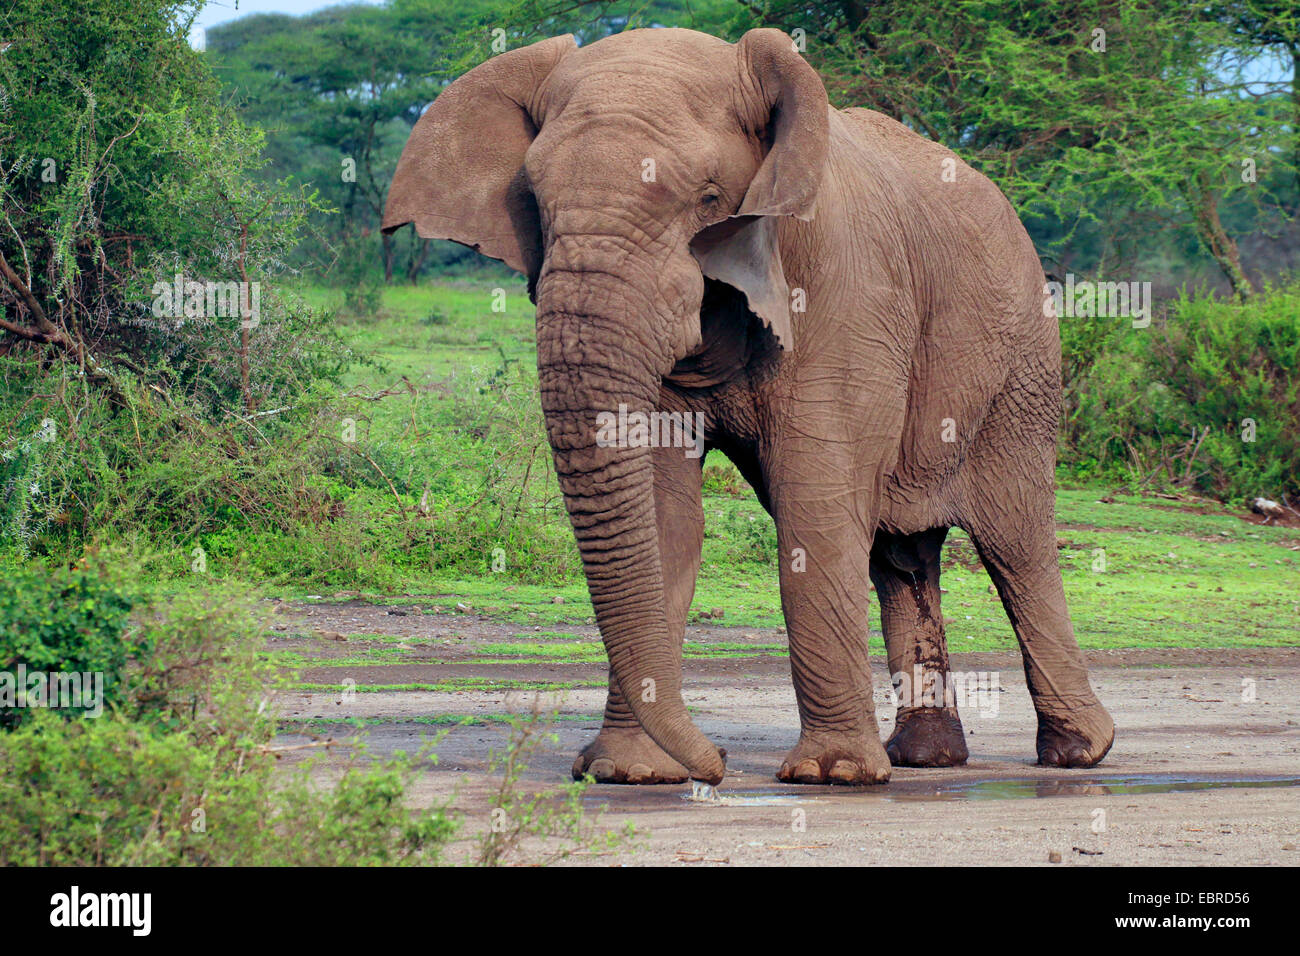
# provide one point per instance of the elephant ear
(744, 251)
(461, 175)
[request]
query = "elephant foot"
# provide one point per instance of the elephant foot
(927, 737)
(627, 756)
(849, 759)
(1077, 738)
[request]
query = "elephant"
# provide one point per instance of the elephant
(855, 316)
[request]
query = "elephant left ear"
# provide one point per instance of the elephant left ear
(792, 109)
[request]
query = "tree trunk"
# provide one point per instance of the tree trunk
(1204, 201)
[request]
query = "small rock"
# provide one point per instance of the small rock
(1053, 857)
(463, 608)
(716, 613)
(558, 599)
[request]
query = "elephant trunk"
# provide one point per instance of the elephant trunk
(591, 361)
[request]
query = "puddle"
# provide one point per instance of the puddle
(1099, 786)
(751, 798)
(1013, 789)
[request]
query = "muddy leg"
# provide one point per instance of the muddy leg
(927, 729)
(622, 752)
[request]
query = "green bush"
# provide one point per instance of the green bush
(64, 622)
(1209, 400)
(184, 772)
(113, 792)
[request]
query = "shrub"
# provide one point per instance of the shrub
(183, 772)
(63, 622)
(113, 792)
(1208, 400)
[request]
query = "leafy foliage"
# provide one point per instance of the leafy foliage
(1209, 400)
(64, 621)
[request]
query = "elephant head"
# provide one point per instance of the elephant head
(615, 177)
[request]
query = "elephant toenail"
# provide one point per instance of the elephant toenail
(844, 771)
(602, 769)
(1049, 758)
(1078, 757)
(808, 771)
(639, 773)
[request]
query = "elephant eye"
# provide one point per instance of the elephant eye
(710, 200)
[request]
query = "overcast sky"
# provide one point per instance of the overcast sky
(223, 11)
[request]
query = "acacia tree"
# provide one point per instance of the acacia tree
(338, 92)
(1074, 107)
(120, 166)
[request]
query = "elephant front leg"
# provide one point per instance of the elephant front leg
(825, 544)
(927, 728)
(622, 752)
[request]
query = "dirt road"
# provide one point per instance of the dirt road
(1205, 768)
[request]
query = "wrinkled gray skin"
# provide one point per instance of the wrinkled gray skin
(918, 388)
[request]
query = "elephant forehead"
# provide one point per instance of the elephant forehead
(672, 45)
(662, 75)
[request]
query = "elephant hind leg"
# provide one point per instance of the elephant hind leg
(1074, 729)
(927, 728)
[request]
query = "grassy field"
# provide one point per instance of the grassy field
(1139, 572)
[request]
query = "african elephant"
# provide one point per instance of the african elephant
(859, 318)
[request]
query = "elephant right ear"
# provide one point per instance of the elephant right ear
(744, 251)
(461, 176)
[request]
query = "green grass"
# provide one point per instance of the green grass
(450, 686)
(1177, 574)
(1229, 583)
(593, 650)
(434, 720)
